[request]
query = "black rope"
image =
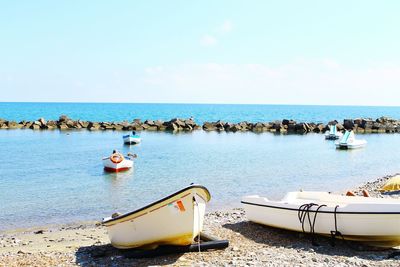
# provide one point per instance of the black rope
(303, 214)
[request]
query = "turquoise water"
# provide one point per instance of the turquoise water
(201, 112)
(49, 177)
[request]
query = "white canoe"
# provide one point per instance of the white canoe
(131, 139)
(117, 162)
(348, 141)
(372, 220)
(174, 220)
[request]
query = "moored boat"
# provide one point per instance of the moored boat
(117, 162)
(372, 220)
(348, 141)
(131, 138)
(333, 133)
(174, 220)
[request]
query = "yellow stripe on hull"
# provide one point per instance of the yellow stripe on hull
(181, 240)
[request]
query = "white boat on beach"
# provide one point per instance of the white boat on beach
(333, 133)
(348, 141)
(372, 220)
(117, 162)
(174, 220)
(131, 139)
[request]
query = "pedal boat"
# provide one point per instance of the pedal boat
(375, 221)
(348, 141)
(332, 134)
(131, 139)
(117, 162)
(174, 220)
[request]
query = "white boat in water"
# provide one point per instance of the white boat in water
(333, 133)
(372, 220)
(174, 220)
(131, 139)
(117, 162)
(348, 141)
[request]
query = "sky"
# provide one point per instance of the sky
(259, 52)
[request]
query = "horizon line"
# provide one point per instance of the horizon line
(191, 103)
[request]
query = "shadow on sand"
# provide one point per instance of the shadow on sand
(302, 242)
(107, 255)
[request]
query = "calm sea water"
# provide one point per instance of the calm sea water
(49, 177)
(201, 112)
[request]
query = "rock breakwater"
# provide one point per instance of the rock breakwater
(359, 125)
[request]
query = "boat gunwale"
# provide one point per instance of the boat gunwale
(157, 202)
(320, 211)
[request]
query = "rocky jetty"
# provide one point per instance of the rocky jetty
(66, 123)
(360, 125)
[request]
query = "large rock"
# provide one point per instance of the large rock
(209, 126)
(63, 127)
(63, 118)
(348, 124)
(172, 127)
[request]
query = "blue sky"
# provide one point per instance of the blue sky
(270, 52)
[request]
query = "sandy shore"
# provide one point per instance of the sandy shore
(87, 244)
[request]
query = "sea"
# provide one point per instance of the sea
(56, 177)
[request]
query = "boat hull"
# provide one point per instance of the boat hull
(131, 139)
(351, 145)
(110, 166)
(174, 220)
(378, 227)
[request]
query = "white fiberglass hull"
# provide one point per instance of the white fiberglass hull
(351, 145)
(110, 166)
(372, 220)
(131, 139)
(174, 220)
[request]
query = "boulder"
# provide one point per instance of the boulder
(209, 126)
(35, 126)
(12, 124)
(287, 122)
(301, 127)
(137, 121)
(63, 118)
(63, 127)
(172, 127)
(348, 124)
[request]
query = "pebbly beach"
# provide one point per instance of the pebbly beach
(87, 244)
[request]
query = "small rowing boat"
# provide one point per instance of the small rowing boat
(174, 220)
(131, 139)
(348, 141)
(117, 162)
(375, 221)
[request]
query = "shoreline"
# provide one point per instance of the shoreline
(87, 244)
(285, 126)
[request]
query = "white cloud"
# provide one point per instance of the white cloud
(225, 27)
(208, 40)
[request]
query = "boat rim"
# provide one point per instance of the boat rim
(159, 201)
(319, 211)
